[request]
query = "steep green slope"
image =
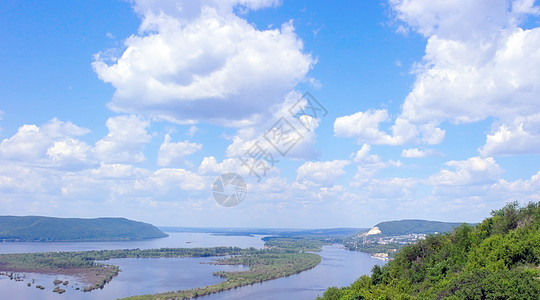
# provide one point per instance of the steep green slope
(34, 228)
(497, 259)
(415, 226)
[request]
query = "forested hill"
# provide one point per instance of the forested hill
(496, 259)
(47, 229)
(415, 226)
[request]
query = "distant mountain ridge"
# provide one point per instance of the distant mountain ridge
(403, 227)
(49, 229)
(265, 231)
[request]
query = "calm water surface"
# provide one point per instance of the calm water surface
(339, 267)
(152, 275)
(174, 240)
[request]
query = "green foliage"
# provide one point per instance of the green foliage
(86, 259)
(485, 284)
(264, 264)
(497, 259)
(297, 243)
(389, 248)
(46, 229)
(84, 262)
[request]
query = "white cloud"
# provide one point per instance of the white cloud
(16, 179)
(125, 141)
(525, 7)
(210, 166)
(478, 64)
(521, 136)
(473, 171)
(288, 134)
(391, 189)
(464, 82)
(174, 153)
(519, 186)
(365, 172)
(321, 173)
(368, 165)
(192, 130)
(243, 140)
(459, 19)
(521, 190)
(364, 126)
(117, 171)
(365, 157)
(419, 153)
(167, 178)
(70, 152)
(198, 61)
(34, 144)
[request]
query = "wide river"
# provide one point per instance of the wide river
(139, 276)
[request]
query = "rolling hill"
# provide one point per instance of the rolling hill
(403, 227)
(48, 229)
(496, 259)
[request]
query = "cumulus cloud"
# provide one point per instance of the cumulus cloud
(70, 152)
(521, 136)
(478, 64)
(174, 153)
(210, 166)
(125, 141)
(197, 61)
(368, 165)
(116, 171)
(473, 171)
(364, 126)
(321, 173)
(520, 185)
(419, 153)
(364, 156)
(54, 141)
(290, 133)
(168, 178)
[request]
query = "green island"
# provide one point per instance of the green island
(496, 259)
(264, 265)
(86, 265)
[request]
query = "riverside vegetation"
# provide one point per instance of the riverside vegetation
(496, 259)
(394, 235)
(264, 265)
(84, 263)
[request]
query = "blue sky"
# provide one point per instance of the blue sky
(134, 108)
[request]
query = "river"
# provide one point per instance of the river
(339, 267)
